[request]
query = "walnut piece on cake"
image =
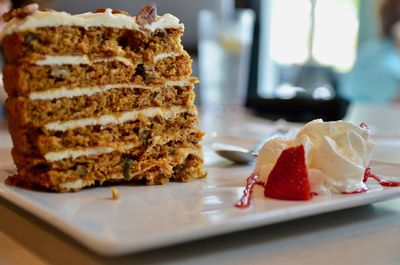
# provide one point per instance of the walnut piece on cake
(20, 12)
(146, 15)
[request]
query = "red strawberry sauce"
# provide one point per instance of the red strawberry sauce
(245, 201)
(385, 183)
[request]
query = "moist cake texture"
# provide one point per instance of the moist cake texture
(99, 97)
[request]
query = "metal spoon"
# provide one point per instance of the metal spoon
(241, 155)
(238, 156)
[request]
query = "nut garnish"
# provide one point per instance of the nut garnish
(113, 11)
(115, 193)
(147, 15)
(20, 12)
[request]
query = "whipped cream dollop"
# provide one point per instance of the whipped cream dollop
(337, 154)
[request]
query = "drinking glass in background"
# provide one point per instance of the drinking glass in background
(224, 57)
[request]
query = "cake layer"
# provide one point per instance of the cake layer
(174, 161)
(153, 172)
(37, 113)
(33, 44)
(140, 133)
(24, 79)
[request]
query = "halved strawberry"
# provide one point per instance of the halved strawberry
(288, 179)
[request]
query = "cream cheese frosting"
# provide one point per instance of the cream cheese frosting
(337, 154)
(66, 92)
(165, 113)
(76, 184)
(74, 153)
(84, 59)
(78, 59)
(40, 19)
(166, 55)
(63, 59)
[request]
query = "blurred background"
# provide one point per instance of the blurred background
(293, 59)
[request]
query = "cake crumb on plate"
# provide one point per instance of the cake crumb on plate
(115, 195)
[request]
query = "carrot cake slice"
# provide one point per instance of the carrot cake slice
(99, 97)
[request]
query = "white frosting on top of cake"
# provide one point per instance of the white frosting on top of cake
(40, 19)
(120, 118)
(164, 22)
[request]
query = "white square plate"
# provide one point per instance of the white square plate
(149, 217)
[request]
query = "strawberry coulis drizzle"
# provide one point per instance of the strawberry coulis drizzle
(385, 183)
(245, 200)
(367, 175)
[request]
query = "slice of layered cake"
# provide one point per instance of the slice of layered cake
(99, 97)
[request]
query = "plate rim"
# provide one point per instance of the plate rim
(238, 223)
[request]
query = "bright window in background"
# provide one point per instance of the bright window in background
(296, 35)
(335, 33)
(317, 31)
(290, 23)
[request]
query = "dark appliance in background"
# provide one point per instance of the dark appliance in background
(303, 106)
